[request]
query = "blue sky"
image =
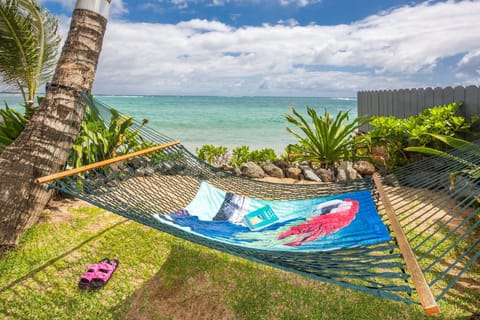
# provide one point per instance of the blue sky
(284, 47)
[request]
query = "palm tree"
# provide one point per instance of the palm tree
(28, 46)
(43, 147)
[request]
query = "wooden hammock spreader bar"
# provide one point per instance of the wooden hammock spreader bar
(91, 166)
(426, 297)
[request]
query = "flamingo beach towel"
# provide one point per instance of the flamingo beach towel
(315, 224)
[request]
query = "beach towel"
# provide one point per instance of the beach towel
(315, 224)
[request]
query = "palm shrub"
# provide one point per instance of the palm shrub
(28, 55)
(12, 124)
(98, 141)
(325, 139)
(28, 45)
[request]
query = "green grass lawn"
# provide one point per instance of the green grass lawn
(162, 277)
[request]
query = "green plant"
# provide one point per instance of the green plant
(262, 156)
(96, 141)
(12, 124)
(392, 136)
(384, 142)
(240, 155)
(28, 45)
(214, 155)
(326, 139)
(438, 120)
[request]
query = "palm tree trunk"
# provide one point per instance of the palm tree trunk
(44, 145)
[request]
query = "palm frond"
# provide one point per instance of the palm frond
(28, 44)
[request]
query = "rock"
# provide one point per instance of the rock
(294, 173)
(273, 171)
(282, 164)
(138, 162)
(229, 168)
(147, 172)
(163, 166)
(325, 175)
(346, 172)
(380, 156)
(309, 174)
(252, 170)
(364, 168)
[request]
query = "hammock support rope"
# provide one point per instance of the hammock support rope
(429, 223)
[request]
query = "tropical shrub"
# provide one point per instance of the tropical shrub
(12, 124)
(385, 142)
(240, 155)
(438, 120)
(325, 139)
(262, 156)
(243, 154)
(96, 141)
(214, 155)
(394, 135)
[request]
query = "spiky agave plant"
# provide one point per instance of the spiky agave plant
(325, 139)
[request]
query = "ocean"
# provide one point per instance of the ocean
(256, 122)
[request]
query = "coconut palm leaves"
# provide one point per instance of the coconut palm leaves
(326, 139)
(471, 170)
(28, 45)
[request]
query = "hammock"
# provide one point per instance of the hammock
(416, 245)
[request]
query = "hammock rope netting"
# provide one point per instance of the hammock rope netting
(441, 225)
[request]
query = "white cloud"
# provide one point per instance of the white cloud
(470, 63)
(289, 22)
(298, 3)
(395, 49)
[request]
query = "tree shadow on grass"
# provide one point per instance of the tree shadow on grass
(16, 300)
(195, 283)
(184, 288)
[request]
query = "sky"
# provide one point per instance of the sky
(319, 48)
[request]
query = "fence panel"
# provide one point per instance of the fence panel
(448, 95)
(420, 100)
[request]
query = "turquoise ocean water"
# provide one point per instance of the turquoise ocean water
(227, 121)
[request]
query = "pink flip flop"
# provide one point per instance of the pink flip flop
(87, 276)
(103, 273)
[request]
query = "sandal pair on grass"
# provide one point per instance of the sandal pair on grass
(98, 274)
